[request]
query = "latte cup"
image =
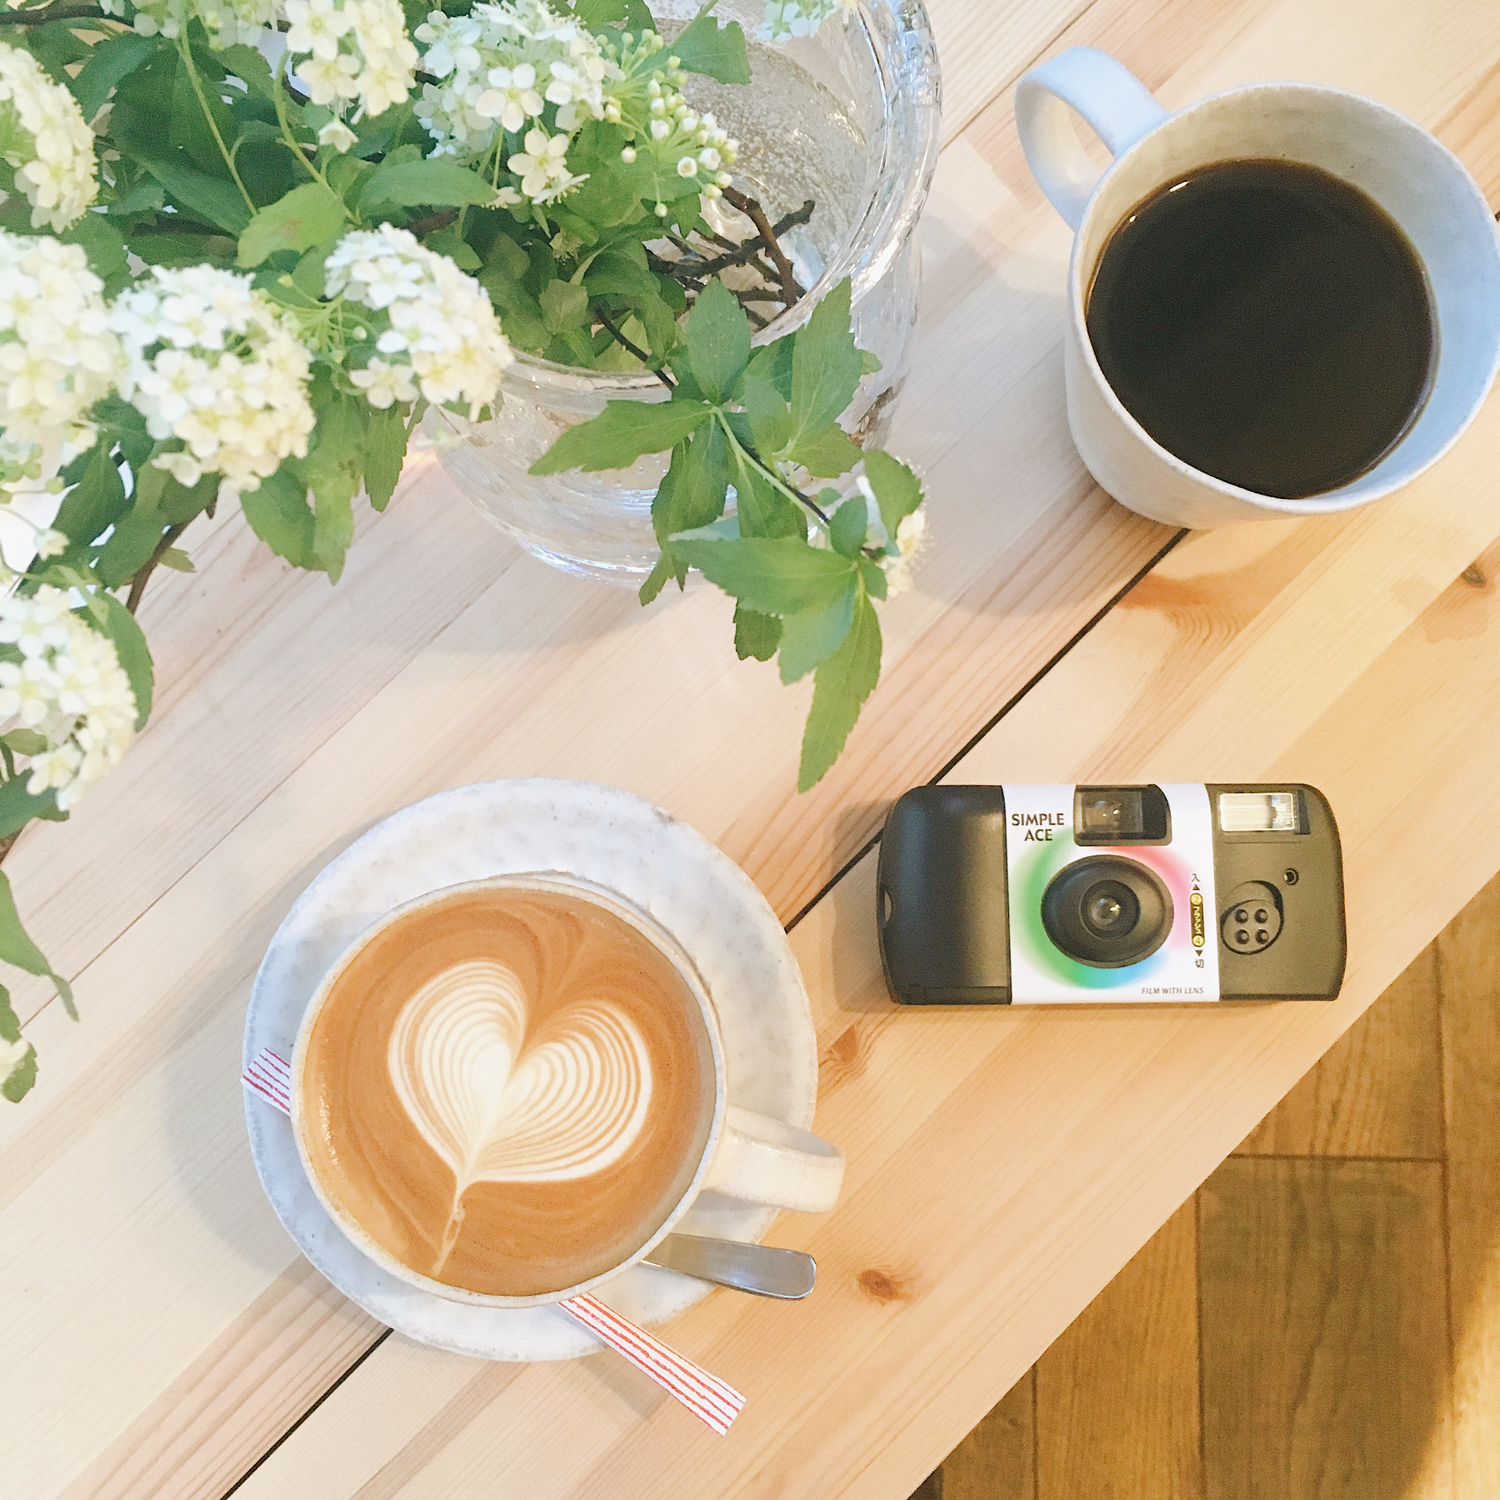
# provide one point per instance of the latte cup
(745, 1156)
(1409, 173)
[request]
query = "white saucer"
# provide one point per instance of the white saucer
(510, 827)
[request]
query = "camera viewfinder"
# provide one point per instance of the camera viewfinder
(1121, 815)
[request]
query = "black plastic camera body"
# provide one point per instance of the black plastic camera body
(992, 895)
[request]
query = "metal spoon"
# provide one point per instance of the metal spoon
(762, 1269)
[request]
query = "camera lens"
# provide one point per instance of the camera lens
(1110, 909)
(1107, 911)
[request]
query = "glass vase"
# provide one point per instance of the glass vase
(847, 118)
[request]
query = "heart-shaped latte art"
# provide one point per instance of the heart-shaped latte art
(496, 1110)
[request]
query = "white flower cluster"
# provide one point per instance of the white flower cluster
(46, 140)
(356, 49)
(650, 103)
(901, 552)
(211, 364)
(499, 67)
(69, 688)
(57, 355)
(437, 333)
(233, 20)
(784, 19)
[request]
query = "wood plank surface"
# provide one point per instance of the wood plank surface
(1007, 1158)
(997, 1460)
(1378, 1091)
(1117, 1394)
(1325, 1337)
(1469, 977)
(444, 658)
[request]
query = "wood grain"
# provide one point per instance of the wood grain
(1117, 1394)
(1325, 1340)
(1378, 1091)
(1083, 1129)
(997, 1460)
(1002, 1168)
(1469, 975)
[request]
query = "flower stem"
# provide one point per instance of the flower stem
(186, 53)
(774, 475)
(291, 142)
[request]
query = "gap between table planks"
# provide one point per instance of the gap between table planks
(94, 1152)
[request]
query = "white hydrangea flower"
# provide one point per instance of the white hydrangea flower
(354, 50)
(69, 686)
(500, 66)
(57, 356)
(232, 20)
(337, 135)
(784, 19)
(211, 364)
(435, 330)
(46, 141)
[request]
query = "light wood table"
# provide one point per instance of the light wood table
(161, 1337)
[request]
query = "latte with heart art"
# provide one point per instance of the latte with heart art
(507, 1089)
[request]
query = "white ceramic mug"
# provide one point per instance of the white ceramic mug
(1410, 174)
(747, 1156)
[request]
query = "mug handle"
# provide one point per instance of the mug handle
(1119, 107)
(761, 1160)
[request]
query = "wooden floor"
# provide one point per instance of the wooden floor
(1322, 1320)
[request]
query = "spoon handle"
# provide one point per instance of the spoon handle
(712, 1400)
(762, 1269)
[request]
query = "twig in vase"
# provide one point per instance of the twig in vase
(632, 348)
(752, 210)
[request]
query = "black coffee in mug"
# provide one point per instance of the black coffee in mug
(1265, 322)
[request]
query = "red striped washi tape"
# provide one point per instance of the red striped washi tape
(712, 1400)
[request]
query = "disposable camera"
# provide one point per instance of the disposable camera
(999, 895)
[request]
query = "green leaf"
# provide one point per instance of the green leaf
(17, 1083)
(134, 654)
(632, 15)
(826, 452)
(333, 530)
(302, 218)
(704, 46)
(697, 498)
(109, 62)
(718, 341)
(656, 580)
(17, 948)
(183, 249)
(876, 584)
(773, 575)
(755, 634)
(451, 243)
(212, 199)
(769, 415)
(621, 433)
(25, 741)
(177, 560)
(131, 544)
(848, 525)
(563, 306)
(762, 508)
(825, 365)
(18, 807)
(842, 684)
(412, 184)
(179, 503)
(773, 363)
(385, 452)
(280, 516)
(897, 490)
(813, 635)
(249, 65)
(97, 501)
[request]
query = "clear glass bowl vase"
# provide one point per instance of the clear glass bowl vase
(848, 118)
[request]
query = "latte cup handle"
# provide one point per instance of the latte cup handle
(1114, 102)
(761, 1160)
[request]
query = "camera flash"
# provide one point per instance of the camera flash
(1258, 812)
